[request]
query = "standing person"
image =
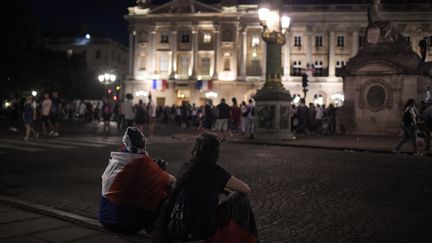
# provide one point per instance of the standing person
(194, 115)
(235, 116)
(208, 117)
(96, 113)
(29, 115)
(427, 96)
(244, 114)
(311, 118)
(140, 115)
(106, 115)
(250, 124)
(408, 126)
(56, 114)
(319, 115)
(206, 217)
(133, 187)
(151, 115)
(223, 115)
(331, 112)
(14, 114)
(45, 115)
(127, 108)
(120, 116)
(82, 107)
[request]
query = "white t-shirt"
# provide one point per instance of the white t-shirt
(46, 107)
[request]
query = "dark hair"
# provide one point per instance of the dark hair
(204, 157)
(409, 102)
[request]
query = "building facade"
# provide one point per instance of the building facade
(187, 50)
(102, 55)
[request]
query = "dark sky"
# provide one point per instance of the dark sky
(105, 17)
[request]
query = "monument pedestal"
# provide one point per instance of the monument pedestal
(273, 114)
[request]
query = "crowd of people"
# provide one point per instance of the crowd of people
(315, 119)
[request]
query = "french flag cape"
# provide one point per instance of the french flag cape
(133, 187)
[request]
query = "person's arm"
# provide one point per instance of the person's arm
(238, 185)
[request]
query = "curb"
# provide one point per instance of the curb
(69, 217)
(366, 150)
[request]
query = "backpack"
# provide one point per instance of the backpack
(182, 224)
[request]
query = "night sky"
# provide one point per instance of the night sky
(105, 17)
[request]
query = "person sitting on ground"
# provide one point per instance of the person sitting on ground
(133, 187)
(205, 217)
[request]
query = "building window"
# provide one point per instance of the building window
(255, 40)
(185, 37)
(98, 54)
(340, 64)
(206, 38)
(142, 60)
(142, 37)
(318, 68)
(183, 67)
(164, 37)
(163, 64)
(227, 65)
(407, 39)
(318, 41)
(341, 41)
(297, 41)
(297, 68)
(205, 66)
(361, 41)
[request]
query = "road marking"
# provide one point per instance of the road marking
(36, 143)
(76, 139)
(58, 141)
(14, 147)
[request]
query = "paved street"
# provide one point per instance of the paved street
(299, 194)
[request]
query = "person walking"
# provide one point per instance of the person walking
(45, 115)
(250, 124)
(408, 127)
(127, 108)
(222, 118)
(29, 115)
(208, 117)
(140, 115)
(56, 114)
(106, 115)
(235, 116)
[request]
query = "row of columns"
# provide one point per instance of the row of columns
(242, 55)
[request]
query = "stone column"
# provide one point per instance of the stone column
(243, 54)
(216, 52)
(287, 57)
(309, 46)
(355, 42)
(331, 60)
(153, 41)
(173, 54)
(131, 54)
(194, 51)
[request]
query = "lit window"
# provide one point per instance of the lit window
(207, 37)
(227, 65)
(205, 62)
(340, 41)
(255, 40)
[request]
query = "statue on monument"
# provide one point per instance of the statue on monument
(380, 30)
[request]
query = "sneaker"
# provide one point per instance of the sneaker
(56, 134)
(13, 129)
(26, 138)
(51, 133)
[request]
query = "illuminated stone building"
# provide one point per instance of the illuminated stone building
(187, 50)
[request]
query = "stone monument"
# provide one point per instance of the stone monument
(379, 79)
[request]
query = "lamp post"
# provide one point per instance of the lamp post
(273, 101)
(107, 79)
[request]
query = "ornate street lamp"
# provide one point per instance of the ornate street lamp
(273, 101)
(107, 79)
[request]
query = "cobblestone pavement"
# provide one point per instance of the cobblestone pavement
(299, 194)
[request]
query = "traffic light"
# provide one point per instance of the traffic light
(305, 80)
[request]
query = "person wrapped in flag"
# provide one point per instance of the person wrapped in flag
(133, 186)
